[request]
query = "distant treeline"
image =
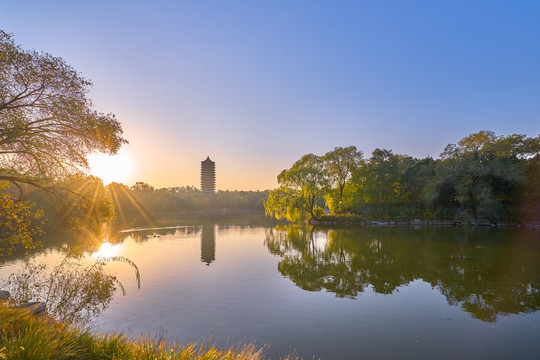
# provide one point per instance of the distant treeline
(82, 204)
(483, 176)
(142, 198)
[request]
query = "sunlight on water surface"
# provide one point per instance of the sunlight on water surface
(333, 293)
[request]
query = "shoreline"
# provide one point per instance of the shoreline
(430, 223)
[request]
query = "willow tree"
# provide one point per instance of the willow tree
(47, 122)
(341, 164)
(301, 187)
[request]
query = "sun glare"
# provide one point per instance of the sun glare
(107, 250)
(115, 168)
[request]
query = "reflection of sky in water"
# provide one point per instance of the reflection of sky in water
(320, 240)
(222, 282)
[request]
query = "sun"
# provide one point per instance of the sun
(111, 168)
(107, 250)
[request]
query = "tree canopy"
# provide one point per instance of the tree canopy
(483, 176)
(301, 187)
(486, 173)
(341, 164)
(47, 128)
(47, 122)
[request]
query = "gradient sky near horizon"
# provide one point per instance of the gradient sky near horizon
(257, 84)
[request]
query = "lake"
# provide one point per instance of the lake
(329, 292)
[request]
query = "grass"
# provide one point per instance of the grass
(35, 338)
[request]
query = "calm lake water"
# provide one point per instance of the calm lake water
(332, 293)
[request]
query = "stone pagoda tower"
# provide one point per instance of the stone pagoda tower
(208, 176)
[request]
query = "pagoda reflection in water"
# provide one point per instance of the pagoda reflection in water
(208, 242)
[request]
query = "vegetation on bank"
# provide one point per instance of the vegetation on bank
(30, 337)
(78, 205)
(81, 204)
(483, 176)
(142, 198)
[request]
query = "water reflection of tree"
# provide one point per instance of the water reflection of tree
(486, 275)
(72, 291)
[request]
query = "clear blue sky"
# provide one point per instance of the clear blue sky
(257, 84)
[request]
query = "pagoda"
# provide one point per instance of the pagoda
(208, 176)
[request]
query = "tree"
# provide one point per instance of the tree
(85, 206)
(531, 194)
(302, 186)
(384, 185)
(469, 166)
(282, 204)
(415, 179)
(485, 173)
(47, 123)
(19, 222)
(142, 186)
(340, 164)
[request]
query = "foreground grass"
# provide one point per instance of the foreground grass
(27, 337)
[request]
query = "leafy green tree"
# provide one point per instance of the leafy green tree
(482, 176)
(283, 204)
(47, 123)
(47, 128)
(302, 186)
(384, 188)
(530, 198)
(381, 174)
(340, 164)
(19, 223)
(415, 181)
(485, 172)
(440, 193)
(467, 161)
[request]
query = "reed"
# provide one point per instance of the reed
(28, 337)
